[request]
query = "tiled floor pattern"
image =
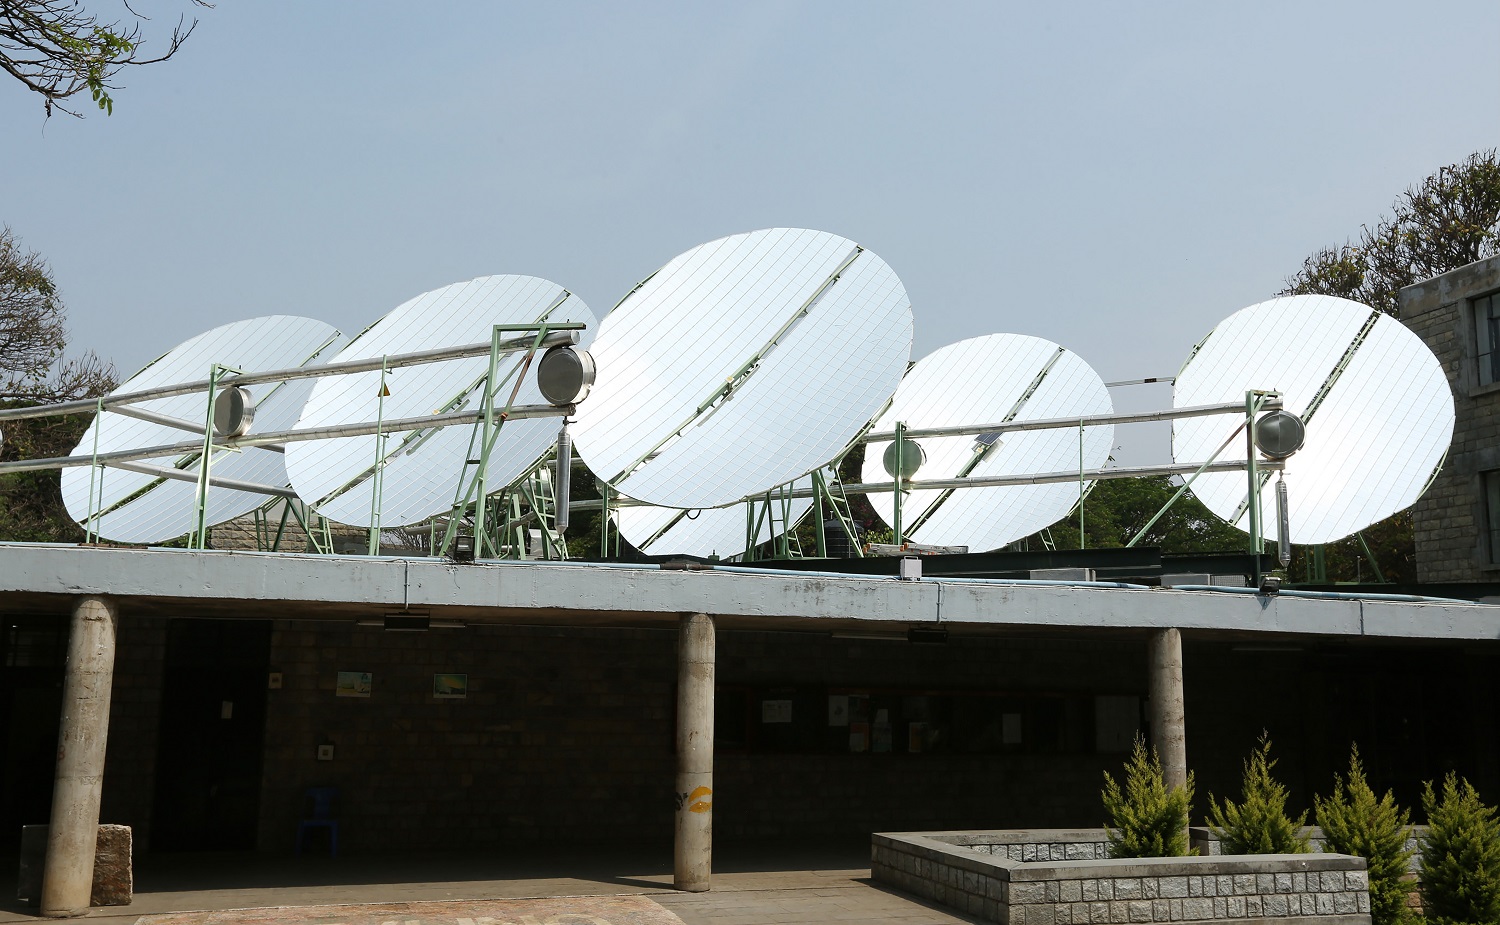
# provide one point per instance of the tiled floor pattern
(785, 886)
(573, 910)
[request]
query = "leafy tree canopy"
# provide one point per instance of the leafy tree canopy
(1450, 219)
(1117, 509)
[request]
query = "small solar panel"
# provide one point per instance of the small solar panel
(1377, 407)
(141, 508)
(993, 379)
(743, 364)
(423, 468)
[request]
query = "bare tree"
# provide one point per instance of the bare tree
(59, 49)
(31, 315)
(33, 333)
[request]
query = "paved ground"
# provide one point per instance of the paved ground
(777, 885)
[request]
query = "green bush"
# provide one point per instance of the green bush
(1259, 823)
(1460, 870)
(1355, 822)
(1146, 819)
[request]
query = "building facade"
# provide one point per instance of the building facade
(1457, 522)
(540, 706)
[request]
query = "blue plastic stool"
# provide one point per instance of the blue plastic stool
(322, 817)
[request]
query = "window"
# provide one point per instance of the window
(1487, 337)
(1491, 484)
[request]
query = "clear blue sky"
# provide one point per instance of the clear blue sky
(1113, 177)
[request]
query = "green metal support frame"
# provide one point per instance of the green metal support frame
(199, 537)
(472, 490)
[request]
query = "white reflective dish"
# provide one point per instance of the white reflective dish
(985, 380)
(1374, 441)
(830, 323)
(424, 469)
(709, 532)
(166, 510)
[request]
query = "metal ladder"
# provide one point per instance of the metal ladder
(537, 489)
(779, 512)
(829, 489)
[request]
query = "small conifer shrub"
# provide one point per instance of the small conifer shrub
(1460, 869)
(1355, 822)
(1146, 819)
(1259, 823)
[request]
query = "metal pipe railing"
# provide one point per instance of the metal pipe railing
(965, 430)
(274, 440)
(567, 336)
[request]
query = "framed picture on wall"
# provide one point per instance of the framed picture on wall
(447, 686)
(355, 684)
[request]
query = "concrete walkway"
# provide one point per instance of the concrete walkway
(785, 886)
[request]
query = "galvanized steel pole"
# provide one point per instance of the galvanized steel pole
(693, 844)
(68, 872)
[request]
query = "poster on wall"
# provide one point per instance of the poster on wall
(775, 711)
(355, 683)
(838, 710)
(450, 686)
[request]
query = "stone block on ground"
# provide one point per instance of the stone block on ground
(113, 882)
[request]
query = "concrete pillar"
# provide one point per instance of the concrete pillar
(68, 872)
(693, 844)
(1168, 720)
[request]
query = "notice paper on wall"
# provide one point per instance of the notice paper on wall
(838, 709)
(776, 711)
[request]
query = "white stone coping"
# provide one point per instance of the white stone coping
(954, 848)
(321, 586)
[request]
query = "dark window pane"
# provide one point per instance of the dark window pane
(1492, 512)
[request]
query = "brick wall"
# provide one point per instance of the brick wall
(134, 716)
(1449, 521)
(565, 736)
(778, 795)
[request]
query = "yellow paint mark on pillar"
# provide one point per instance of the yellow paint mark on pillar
(701, 800)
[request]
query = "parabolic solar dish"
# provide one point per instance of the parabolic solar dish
(743, 364)
(1376, 432)
(710, 532)
(424, 468)
(141, 508)
(992, 379)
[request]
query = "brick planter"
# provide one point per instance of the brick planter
(974, 873)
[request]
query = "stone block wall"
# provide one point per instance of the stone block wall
(778, 795)
(1326, 889)
(1032, 845)
(564, 736)
(571, 729)
(1449, 521)
(1208, 844)
(134, 717)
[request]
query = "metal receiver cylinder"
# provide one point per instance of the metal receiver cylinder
(565, 374)
(1283, 525)
(562, 481)
(234, 411)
